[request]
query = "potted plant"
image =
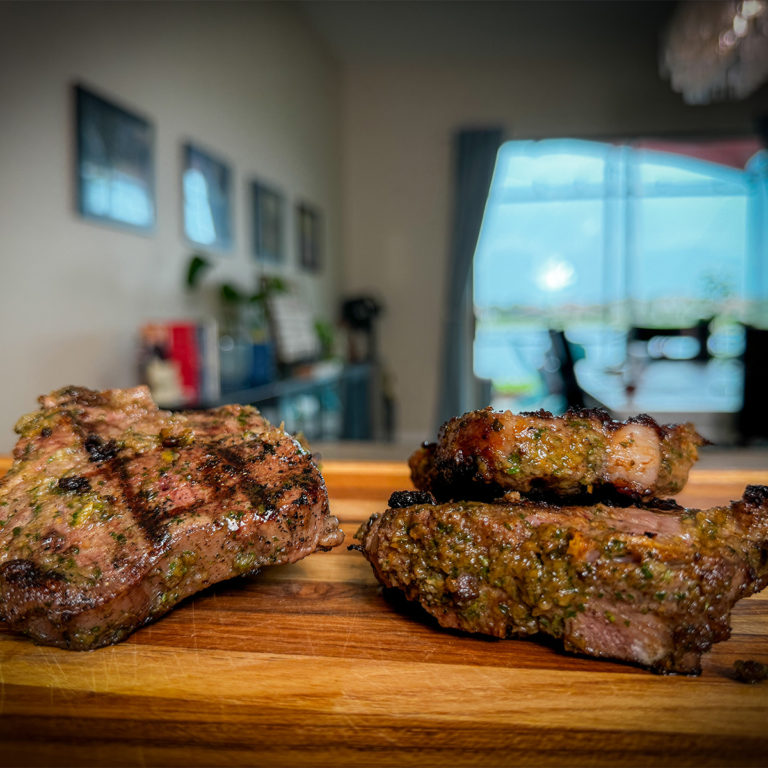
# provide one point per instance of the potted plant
(245, 346)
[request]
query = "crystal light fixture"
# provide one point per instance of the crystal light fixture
(713, 51)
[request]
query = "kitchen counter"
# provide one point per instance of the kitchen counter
(309, 664)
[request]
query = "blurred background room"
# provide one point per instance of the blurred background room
(366, 217)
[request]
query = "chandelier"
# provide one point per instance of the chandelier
(713, 51)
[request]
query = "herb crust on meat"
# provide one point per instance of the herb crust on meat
(484, 453)
(650, 585)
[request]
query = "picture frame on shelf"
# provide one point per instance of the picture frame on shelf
(309, 237)
(114, 162)
(293, 330)
(207, 198)
(267, 217)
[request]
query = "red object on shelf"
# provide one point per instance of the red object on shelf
(184, 351)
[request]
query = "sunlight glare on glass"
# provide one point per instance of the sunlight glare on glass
(116, 195)
(198, 217)
(555, 275)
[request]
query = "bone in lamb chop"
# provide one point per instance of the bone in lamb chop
(484, 453)
(650, 585)
(114, 511)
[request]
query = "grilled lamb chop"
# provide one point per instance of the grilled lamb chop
(484, 453)
(114, 511)
(648, 585)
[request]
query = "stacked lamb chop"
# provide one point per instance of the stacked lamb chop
(531, 523)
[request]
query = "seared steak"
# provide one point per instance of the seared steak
(484, 453)
(650, 585)
(114, 511)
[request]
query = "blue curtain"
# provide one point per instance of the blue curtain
(474, 160)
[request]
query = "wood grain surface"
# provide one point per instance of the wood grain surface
(311, 664)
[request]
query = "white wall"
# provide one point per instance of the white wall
(399, 119)
(251, 82)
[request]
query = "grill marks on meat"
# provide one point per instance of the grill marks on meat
(115, 511)
(650, 586)
(484, 453)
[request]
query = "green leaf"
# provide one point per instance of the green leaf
(269, 287)
(275, 285)
(198, 265)
(229, 294)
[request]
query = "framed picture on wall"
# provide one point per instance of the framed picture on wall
(207, 198)
(115, 172)
(267, 212)
(309, 237)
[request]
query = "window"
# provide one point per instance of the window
(597, 238)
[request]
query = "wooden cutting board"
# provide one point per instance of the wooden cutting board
(310, 664)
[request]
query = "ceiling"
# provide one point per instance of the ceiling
(359, 30)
